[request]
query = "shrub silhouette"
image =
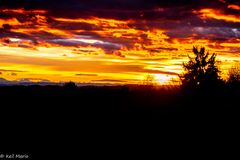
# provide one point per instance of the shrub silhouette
(201, 70)
(148, 80)
(70, 85)
(234, 76)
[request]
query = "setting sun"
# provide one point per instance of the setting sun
(162, 79)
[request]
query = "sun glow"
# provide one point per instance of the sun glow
(163, 79)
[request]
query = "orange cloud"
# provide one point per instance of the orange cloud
(232, 6)
(217, 14)
(12, 21)
(23, 11)
(94, 20)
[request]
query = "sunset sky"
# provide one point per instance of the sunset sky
(113, 41)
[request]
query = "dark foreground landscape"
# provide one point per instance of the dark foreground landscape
(119, 103)
(33, 115)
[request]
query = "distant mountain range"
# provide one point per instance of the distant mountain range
(28, 82)
(4, 82)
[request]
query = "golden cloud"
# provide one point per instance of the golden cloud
(217, 14)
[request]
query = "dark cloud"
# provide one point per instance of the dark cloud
(6, 26)
(84, 74)
(7, 70)
(107, 46)
(159, 72)
(121, 9)
(110, 80)
(138, 69)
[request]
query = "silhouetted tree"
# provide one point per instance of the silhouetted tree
(234, 75)
(201, 70)
(148, 80)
